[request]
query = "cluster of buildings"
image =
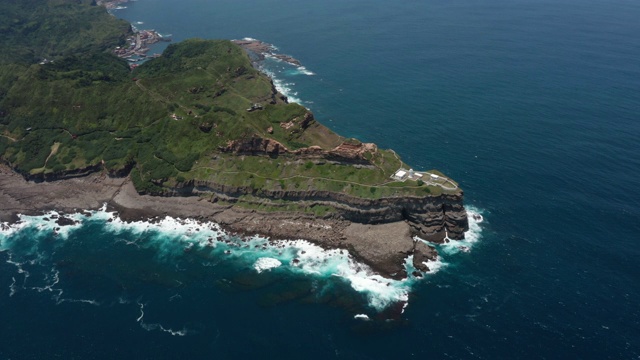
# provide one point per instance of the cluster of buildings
(111, 4)
(138, 45)
(426, 177)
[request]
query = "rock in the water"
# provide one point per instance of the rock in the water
(423, 253)
(65, 221)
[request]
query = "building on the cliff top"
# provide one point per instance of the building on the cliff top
(400, 175)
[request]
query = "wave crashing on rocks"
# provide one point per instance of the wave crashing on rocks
(32, 241)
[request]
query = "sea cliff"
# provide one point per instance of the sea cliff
(201, 132)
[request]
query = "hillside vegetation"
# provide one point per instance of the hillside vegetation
(34, 30)
(181, 117)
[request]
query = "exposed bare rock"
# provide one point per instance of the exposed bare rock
(307, 120)
(383, 247)
(288, 125)
(423, 253)
(377, 231)
(345, 152)
(255, 145)
(352, 152)
(311, 150)
(205, 126)
(262, 49)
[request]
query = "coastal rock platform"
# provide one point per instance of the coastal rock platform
(383, 247)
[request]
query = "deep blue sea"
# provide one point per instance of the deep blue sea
(533, 106)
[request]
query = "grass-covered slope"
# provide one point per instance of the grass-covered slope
(34, 30)
(176, 118)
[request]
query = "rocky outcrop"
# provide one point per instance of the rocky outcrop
(262, 49)
(255, 145)
(307, 120)
(352, 153)
(345, 153)
(303, 123)
(377, 232)
(421, 254)
(68, 174)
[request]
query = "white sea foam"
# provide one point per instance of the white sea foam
(12, 287)
(285, 88)
(174, 236)
(314, 260)
(300, 256)
(21, 270)
(266, 263)
(435, 265)
(471, 237)
(152, 327)
(305, 71)
(82, 301)
(46, 222)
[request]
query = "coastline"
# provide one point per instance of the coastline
(377, 231)
(367, 243)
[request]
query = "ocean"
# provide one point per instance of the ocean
(533, 106)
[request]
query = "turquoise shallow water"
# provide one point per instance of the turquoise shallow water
(532, 106)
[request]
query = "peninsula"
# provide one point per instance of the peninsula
(197, 132)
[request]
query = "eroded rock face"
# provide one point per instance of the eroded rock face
(345, 152)
(307, 120)
(372, 244)
(255, 145)
(423, 253)
(431, 217)
(354, 153)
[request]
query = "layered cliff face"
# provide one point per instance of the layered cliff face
(201, 121)
(432, 217)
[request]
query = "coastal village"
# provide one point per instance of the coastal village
(138, 44)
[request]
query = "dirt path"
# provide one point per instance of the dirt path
(54, 150)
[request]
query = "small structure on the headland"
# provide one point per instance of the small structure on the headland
(404, 175)
(400, 175)
(255, 107)
(425, 177)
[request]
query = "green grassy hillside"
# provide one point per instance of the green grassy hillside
(33, 30)
(166, 121)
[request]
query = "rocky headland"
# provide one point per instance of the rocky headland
(377, 232)
(200, 133)
(262, 49)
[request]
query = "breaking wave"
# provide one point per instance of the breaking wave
(453, 247)
(28, 243)
(284, 87)
(282, 74)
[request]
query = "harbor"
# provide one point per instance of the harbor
(138, 45)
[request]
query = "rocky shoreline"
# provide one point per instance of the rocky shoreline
(262, 49)
(381, 246)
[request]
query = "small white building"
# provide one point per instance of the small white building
(401, 174)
